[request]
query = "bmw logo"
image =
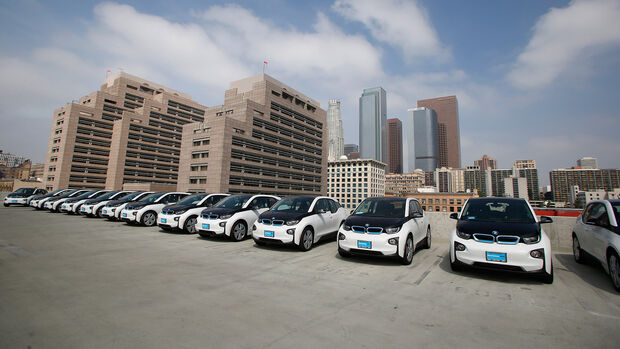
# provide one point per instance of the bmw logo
(495, 232)
(273, 217)
(367, 225)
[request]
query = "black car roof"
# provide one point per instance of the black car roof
(497, 199)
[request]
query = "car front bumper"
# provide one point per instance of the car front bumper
(275, 233)
(16, 201)
(211, 226)
(368, 244)
(128, 215)
(170, 221)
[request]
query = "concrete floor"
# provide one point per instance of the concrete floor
(75, 282)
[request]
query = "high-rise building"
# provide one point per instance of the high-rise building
(10, 160)
(127, 132)
(524, 164)
(266, 138)
(395, 145)
(448, 129)
(486, 163)
(531, 176)
(478, 180)
(515, 187)
(444, 202)
(334, 127)
(352, 181)
(587, 163)
(372, 125)
(450, 180)
(351, 148)
(422, 149)
(587, 179)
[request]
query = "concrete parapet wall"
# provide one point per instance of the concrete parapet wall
(559, 231)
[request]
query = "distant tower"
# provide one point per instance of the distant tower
(395, 145)
(372, 125)
(334, 127)
(447, 110)
(486, 163)
(588, 162)
(422, 149)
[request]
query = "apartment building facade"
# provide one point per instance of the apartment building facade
(562, 180)
(352, 181)
(127, 132)
(443, 202)
(404, 183)
(266, 138)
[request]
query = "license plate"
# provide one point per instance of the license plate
(163, 220)
(205, 226)
(496, 257)
(104, 211)
(364, 244)
(83, 209)
(14, 200)
(268, 233)
(124, 214)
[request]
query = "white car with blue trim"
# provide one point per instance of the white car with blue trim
(299, 220)
(501, 234)
(234, 216)
(22, 196)
(54, 204)
(146, 210)
(385, 226)
(184, 214)
(112, 210)
(38, 201)
(73, 206)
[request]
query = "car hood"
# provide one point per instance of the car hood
(383, 222)
(14, 195)
(72, 200)
(285, 216)
(94, 201)
(138, 205)
(502, 228)
(172, 209)
(222, 211)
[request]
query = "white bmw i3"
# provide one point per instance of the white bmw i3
(501, 234)
(385, 226)
(299, 220)
(145, 211)
(93, 207)
(184, 214)
(234, 216)
(112, 210)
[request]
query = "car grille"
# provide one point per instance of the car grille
(499, 239)
(210, 216)
(368, 230)
(167, 211)
(275, 222)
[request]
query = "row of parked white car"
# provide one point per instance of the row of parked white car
(491, 233)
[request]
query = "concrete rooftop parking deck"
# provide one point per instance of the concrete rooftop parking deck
(75, 282)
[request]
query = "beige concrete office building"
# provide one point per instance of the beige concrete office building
(352, 181)
(404, 183)
(127, 132)
(266, 138)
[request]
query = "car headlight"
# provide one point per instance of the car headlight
(346, 227)
(292, 222)
(531, 239)
(180, 211)
(392, 230)
(462, 235)
(225, 216)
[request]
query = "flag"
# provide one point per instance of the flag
(266, 62)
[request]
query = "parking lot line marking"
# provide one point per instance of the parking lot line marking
(428, 271)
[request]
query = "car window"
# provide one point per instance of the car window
(597, 212)
(412, 208)
(586, 213)
(272, 201)
(333, 205)
(616, 208)
(322, 204)
(259, 203)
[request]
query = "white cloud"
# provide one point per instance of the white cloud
(400, 23)
(563, 37)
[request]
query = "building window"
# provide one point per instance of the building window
(58, 131)
(198, 167)
(55, 150)
(50, 178)
(60, 122)
(201, 141)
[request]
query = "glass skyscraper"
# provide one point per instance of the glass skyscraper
(422, 149)
(373, 125)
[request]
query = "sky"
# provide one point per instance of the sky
(534, 79)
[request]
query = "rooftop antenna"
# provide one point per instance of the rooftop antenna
(265, 65)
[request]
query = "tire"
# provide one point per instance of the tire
(98, 213)
(455, 266)
(6, 205)
(306, 240)
(614, 269)
(149, 218)
(577, 251)
(238, 231)
(427, 242)
(190, 225)
(343, 253)
(407, 257)
(547, 278)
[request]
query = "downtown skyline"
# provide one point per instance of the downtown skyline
(521, 94)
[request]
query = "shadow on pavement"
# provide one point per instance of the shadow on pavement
(591, 271)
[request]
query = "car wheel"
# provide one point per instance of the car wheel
(6, 205)
(190, 225)
(306, 240)
(547, 278)
(577, 251)
(614, 270)
(343, 253)
(408, 253)
(427, 243)
(99, 214)
(238, 231)
(149, 219)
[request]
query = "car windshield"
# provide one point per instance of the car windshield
(24, 191)
(616, 211)
(389, 208)
(55, 192)
(151, 198)
(293, 205)
(192, 200)
(132, 196)
(86, 195)
(107, 195)
(233, 201)
(513, 211)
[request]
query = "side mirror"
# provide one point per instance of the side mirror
(454, 215)
(545, 219)
(255, 207)
(320, 211)
(417, 215)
